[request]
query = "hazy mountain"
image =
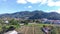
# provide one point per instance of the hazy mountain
(33, 15)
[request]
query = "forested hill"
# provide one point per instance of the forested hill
(33, 15)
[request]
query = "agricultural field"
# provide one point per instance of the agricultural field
(36, 29)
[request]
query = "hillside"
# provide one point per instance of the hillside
(33, 15)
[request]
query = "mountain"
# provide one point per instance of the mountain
(51, 15)
(33, 15)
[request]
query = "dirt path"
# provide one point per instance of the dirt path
(30, 30)
(33, 30)
(26, 30)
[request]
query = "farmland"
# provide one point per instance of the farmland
(31, 29)
(36, 29)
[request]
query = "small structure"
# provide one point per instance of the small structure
(6, 21)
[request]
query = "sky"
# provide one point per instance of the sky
(11, 6)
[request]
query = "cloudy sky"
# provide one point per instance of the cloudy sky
(11, 6)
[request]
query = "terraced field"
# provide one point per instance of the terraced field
(35, 29)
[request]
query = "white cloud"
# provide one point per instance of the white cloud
(47, 2)
(58, 10)
(21, 1)
(52, 3)
(57, 3)
(43, 1)
(32, 1)
(29, 6)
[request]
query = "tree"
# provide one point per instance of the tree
(1, 22)
(37, 21)
(14, 23)
(25, 22)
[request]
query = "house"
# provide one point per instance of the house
(47, 21)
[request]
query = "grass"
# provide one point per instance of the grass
(39, 25)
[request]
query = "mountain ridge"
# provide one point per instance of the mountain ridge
(33, 15)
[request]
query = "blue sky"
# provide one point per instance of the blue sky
(11, 6)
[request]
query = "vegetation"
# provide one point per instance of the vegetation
(5, 26)
(37, 26)
(14, 22)
(33, 15)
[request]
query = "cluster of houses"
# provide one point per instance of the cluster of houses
(47, 21)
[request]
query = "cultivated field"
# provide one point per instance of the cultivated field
(36, 29)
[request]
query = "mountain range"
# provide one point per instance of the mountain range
(33, 15)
